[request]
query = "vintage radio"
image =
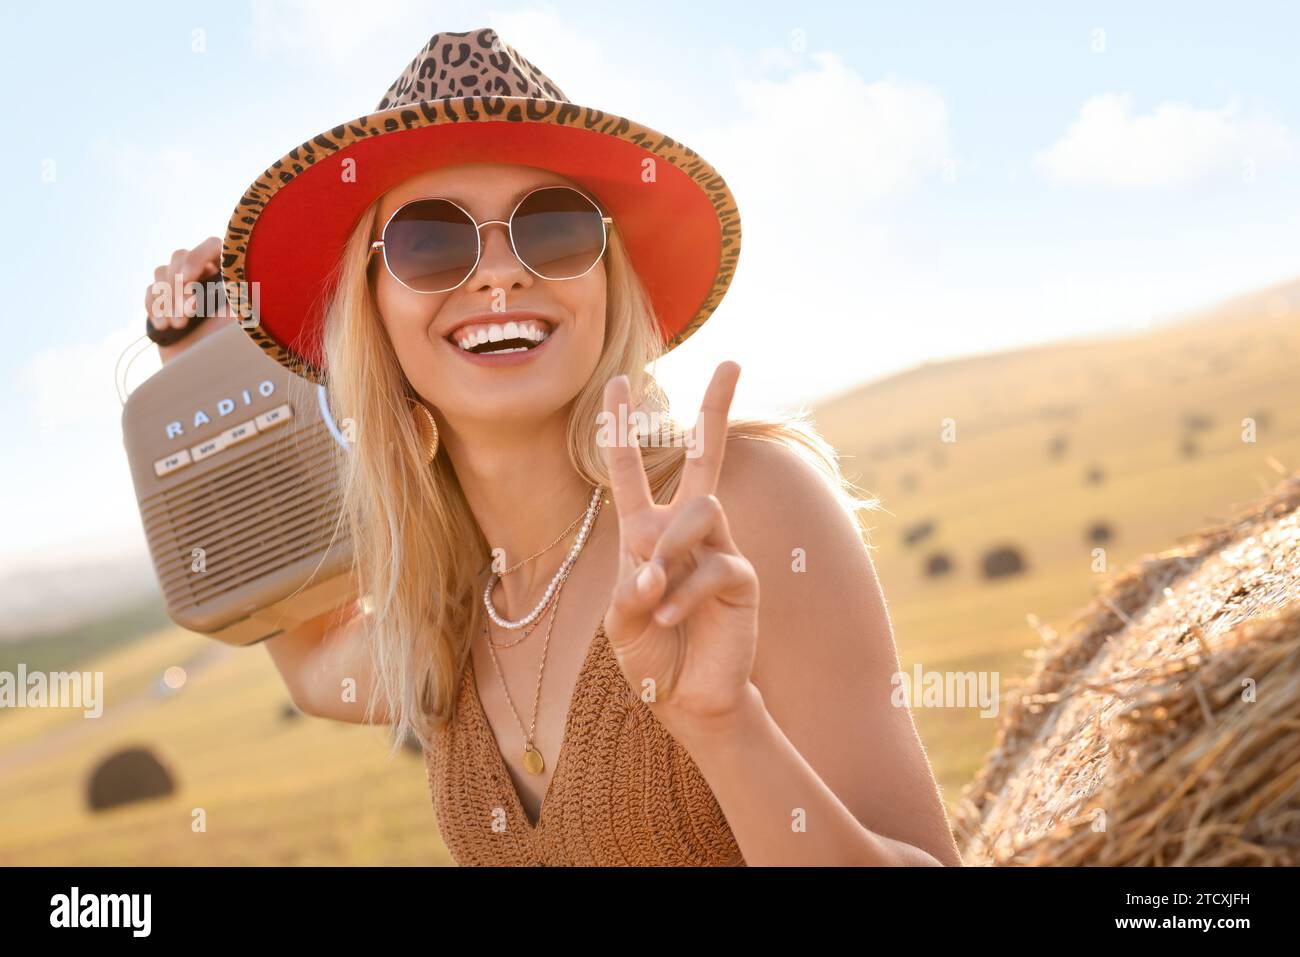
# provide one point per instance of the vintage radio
(234, 463)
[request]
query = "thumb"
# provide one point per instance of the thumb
(637, 596)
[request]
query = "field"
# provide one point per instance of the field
(1033, 450)
(272, 789)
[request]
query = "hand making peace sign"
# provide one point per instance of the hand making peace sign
(680, 558)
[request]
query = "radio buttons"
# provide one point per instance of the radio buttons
(177, 460)
(210, 447)
(232, 436)
(274, 417)
(245, 430)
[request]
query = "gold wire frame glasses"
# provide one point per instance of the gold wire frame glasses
(384, 244)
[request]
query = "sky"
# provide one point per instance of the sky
(915, 181)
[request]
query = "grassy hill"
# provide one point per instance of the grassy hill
(67, 648)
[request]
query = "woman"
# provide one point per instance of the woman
(562, 587)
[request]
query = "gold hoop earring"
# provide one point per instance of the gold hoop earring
(427, 426)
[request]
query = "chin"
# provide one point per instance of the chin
(521, 399)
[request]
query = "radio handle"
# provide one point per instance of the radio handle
(172, 334)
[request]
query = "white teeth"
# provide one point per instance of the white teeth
(528, 329)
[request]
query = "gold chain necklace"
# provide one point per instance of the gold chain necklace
(563, 535)
(575, 549)
(532, 760)
(533, 627)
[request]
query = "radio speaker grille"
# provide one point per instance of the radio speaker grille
(256, 517)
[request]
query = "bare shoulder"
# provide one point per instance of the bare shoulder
(774, 495)
(820, 595)
(806, 546)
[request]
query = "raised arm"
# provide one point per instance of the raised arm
(326, 667)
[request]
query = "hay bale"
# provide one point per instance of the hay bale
(938, 565)
(126, 777)
(1001, 562)
(1057, 446)
(1099, 533)
(1095, 475)
(1135, 741)
(918, 532)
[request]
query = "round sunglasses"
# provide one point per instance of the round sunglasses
(433, 245)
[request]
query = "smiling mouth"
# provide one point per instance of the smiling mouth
(500, 339)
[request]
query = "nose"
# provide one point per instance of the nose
(498, 266)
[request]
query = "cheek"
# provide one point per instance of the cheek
(589, 307)
(389, 300)
(406, 315)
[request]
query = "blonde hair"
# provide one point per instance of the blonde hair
(418, 553)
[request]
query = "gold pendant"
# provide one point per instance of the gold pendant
(533, 762)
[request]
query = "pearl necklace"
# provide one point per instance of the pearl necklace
(593, 509)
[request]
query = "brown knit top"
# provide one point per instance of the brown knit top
(623, 791)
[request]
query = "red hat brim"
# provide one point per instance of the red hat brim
(681, 227)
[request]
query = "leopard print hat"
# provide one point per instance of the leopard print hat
(470, 97)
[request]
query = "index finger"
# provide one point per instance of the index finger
(627, 479)
(701, 471)
(203, 259)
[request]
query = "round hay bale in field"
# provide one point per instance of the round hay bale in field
(918, 532)
(130, 775)
(1001, 562)
(1099, 533)
(1163, 728)
(938, 565)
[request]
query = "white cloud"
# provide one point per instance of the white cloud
(815, 159)
(823, 291)
(1176, 144)
(847, 138)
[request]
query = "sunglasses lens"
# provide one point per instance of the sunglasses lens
(431, 245)
(558, 233)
